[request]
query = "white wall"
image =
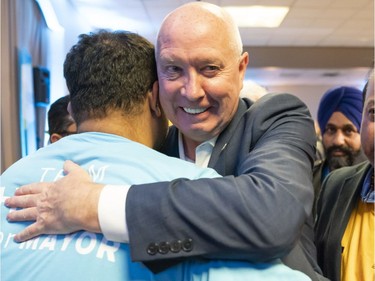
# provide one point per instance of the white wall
(61, 42)
(310, 94)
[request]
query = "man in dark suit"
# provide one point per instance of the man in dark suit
(345, 211)
(265, 150)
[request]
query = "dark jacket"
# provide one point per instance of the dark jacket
(340, 194)
(256, 212)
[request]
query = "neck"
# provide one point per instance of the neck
(134, 128)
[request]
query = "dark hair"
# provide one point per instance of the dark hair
(109, 70)
(59, 118)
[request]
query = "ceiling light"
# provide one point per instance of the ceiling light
(257, 16)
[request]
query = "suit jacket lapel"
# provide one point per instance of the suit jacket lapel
(346, 202)
(226, 135)
(170, 146)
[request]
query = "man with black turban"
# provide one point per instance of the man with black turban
(339, 118)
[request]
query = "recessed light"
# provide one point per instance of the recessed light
(258, 16)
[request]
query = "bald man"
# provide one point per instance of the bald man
(265, 150)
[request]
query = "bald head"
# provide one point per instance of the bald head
(199, 19)
(201, 69)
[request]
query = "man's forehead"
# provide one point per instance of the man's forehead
(339, 119)
(197, 56)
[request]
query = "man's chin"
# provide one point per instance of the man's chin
(339, 162)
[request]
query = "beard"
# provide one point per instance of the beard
(336, 162)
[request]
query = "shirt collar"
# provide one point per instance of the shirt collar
(202, 152)
(367, 193)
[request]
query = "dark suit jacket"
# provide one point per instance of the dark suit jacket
(339, 196)
(318, 171)
(256, 212)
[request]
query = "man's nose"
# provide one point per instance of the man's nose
(339, 138)
(192, 89)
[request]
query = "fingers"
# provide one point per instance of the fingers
(33, 188)
(32, 230)
(29, 232)
(26, 196)
(25, 201)
(29, 214)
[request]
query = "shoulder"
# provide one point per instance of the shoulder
(282, 113)
(340, 184)
(346, 172)
(280, 100)
(274, 106)
(346, 178)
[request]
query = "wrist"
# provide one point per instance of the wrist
(88, 220)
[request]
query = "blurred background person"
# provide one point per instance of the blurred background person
(60, 122)
(339, 119)
(344, 229)
(252, 90)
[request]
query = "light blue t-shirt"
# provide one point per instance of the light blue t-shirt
(88, 256)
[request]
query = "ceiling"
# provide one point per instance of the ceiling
(319, 41)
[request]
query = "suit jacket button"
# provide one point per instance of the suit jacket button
(152, 249)
(163, 248)
(187, 245)
(175, 246)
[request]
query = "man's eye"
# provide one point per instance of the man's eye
(172, 72)
(211, 67)
(210, 70)
(330, 130)
(348, 131)
(371, 114)
(172, 69)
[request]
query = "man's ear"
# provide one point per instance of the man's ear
(54, 137)
(244, 61)
(154, 100)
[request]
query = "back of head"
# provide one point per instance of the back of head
(108, 71)
(59, 118)
(347, 100)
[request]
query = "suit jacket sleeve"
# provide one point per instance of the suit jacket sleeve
(255, 212)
